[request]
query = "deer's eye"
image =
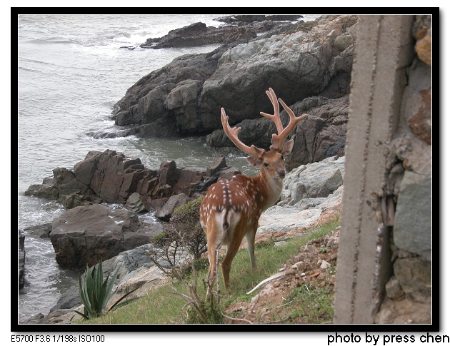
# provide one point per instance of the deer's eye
(266, 164)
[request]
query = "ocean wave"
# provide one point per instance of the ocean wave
(53, 40)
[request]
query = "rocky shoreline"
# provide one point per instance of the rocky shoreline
(307, 63)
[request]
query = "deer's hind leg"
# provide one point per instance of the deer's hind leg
(212, 240)
(250, 236)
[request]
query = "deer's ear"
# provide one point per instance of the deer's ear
(255, 161)
(287, 147)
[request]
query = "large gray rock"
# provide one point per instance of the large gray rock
(412, 228)
(88, 234)
(314, 180)
(308, 192)
(296, 64)
(145, 103)
(129, 260)
(69, 299)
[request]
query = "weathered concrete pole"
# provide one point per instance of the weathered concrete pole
(382, 53)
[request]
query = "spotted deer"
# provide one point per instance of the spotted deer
(231, 208)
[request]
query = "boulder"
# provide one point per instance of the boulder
(85, 235)
(309, 194)
(44, 190)
(69, 299)
(414, 276)
(165, 212)
(168, 173)
(41, 231)
(322, 133)
(318, 179)
(127, 261)
(135, 203)
(412, 227)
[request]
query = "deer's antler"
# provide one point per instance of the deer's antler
(279, 139)
(232, 134)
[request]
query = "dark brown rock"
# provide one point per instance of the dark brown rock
(217, 165)
(322, 133)
(88, 234)
(198, 34)
(43, 191)
(84, 170)
(168, 173)
(187, 180)
(155, 204)
(41, 231)
(420, 122)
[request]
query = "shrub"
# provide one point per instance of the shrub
(186, 227)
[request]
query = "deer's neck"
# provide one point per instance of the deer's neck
(270, 189)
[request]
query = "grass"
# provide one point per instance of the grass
(311, 304)
(163, 306)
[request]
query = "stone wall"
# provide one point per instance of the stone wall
(384, 260)
(408, 291)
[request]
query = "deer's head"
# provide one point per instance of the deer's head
(270, 162)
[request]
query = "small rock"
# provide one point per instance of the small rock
(343, 41)
(134, 203)
(280, 243)
(41, 231)
(393, 288)
(219, 164)
(423, 49)
(325, 265)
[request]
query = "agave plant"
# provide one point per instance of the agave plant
(95, 291)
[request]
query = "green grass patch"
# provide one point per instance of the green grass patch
(162, 306)
(311, 304)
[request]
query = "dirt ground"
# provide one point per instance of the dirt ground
(303, 292)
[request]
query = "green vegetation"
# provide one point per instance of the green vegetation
(311, 304)
(165, 305)
(95, 292)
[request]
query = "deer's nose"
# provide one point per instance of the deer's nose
(281, 173)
